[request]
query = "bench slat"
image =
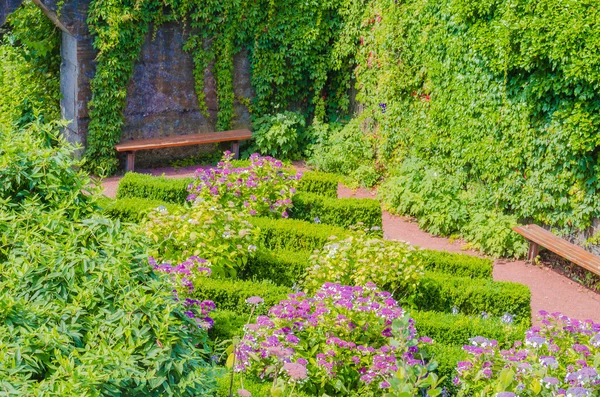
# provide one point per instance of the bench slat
(183, 140)
(571, 252)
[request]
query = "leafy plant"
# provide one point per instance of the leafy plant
(279, 135)
(560, 358)
(360, 258)
(207, 230)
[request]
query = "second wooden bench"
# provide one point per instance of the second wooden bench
(539, 236)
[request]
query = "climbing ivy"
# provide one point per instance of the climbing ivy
(301, 55)
(504, 94)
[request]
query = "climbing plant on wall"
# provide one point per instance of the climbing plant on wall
(301, 55)
(29, 68)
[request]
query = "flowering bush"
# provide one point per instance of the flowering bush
(264, 188)
(559, 358)
(183, 276)
(340, 341)
(208, 230)
(359, 259)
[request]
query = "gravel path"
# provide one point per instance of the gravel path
(549, 290)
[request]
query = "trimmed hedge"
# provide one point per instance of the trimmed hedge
(343, 212)
(227, 324)
(132, 209)
(447, 357)
(256, 388)
(231, 294)
(441, 292)
(457, 264)
(321, 183)
(170, 190)
(295, 235)
(282, 267)
(457, 329)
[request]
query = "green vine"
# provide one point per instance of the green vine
(298, 50)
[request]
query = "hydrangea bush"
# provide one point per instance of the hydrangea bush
(342, 341)
(183, 276)
(265, 188)
(559, 358)
(359, 259)
(219, 234)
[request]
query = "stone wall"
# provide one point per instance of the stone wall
(161, 98)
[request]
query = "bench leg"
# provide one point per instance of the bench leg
(235, 149)
(534, 251)
(130, 164)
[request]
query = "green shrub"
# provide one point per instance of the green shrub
(359, 259)
(220, 235)
(343, 212)
(279, 135)
(282, 267)
(440, 292)
(256, 387)
(295, 235)
(457, 329)
(227, 324)
(491, 232)
(344, 152)
(151, 187)
(231, 294)
(447, 357)
(320, 183)
(457, 264)
(133, 209)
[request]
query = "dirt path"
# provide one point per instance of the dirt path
(550, 291)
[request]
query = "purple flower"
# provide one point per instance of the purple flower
(255, 300)
(244, 393)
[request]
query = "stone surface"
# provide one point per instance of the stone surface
(161, 96)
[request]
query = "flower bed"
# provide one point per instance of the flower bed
(559, 358)
(344, 339)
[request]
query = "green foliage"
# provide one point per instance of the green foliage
(29, 68)
(446, 205)
(132, 209)
(37, 165)
(360, 259)
(458, 329)
(256, 387)
(171, 190)
(295, 235)
(343, 212)
(457, 264)
(229, 294)
(502, 94)
(447, 356)
(279, 135)
(348, 151)
(282, 267)
(228, 324)
(320, 183)
(439, 292)
(81, 312)
(207, 230)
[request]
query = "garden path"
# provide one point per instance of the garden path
(550, 290)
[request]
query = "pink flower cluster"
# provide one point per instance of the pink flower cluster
(263, 188)
(561, 354)
(342, 329)
(182, 275)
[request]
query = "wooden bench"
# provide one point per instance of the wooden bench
(539, 236)
(130, 147)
